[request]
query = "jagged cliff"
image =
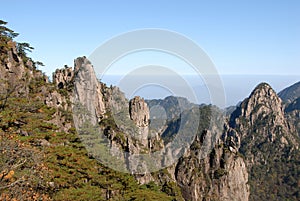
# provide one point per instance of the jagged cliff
(222, 175)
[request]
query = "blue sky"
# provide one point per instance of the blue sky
(241, 37)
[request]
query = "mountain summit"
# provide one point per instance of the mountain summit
(264, 137)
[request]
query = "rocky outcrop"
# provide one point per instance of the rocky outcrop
(13, 65)
(125, 124)
(56, 100)
(139, 114)
(18, 73)
(63, 77)
(222, 175)
(88, 90)
(139, 111)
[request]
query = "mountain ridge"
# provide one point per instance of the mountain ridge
(290, 93)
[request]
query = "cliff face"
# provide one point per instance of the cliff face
(16, 74)
(87, 89)
(12, 64)
(63, 77)
(140, 115)
(222, 175)
(125, 124)
(139, 111)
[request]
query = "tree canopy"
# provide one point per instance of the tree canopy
(6, 33)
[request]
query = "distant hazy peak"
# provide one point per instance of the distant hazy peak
(290, 93)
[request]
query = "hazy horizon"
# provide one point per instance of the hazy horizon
(236, 87)
(241, 38)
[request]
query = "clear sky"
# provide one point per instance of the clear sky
(241, 37)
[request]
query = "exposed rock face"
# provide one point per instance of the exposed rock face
(139, 111)
(60, 103)
(222, 175)
(262, 101)
(123, 123)
(87, 89)
(16, 74)
(63, 77)
(14, 67)
(236, 181)
(139, 114)
(260, 113)
(56, 100)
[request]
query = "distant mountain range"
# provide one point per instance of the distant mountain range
(291, 93)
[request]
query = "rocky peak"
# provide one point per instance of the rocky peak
(63, 77)
(259, 130)
(263, 99)
(139, 111)
(87, 89)
(259, 120)
(81, 62)
(263, 102)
